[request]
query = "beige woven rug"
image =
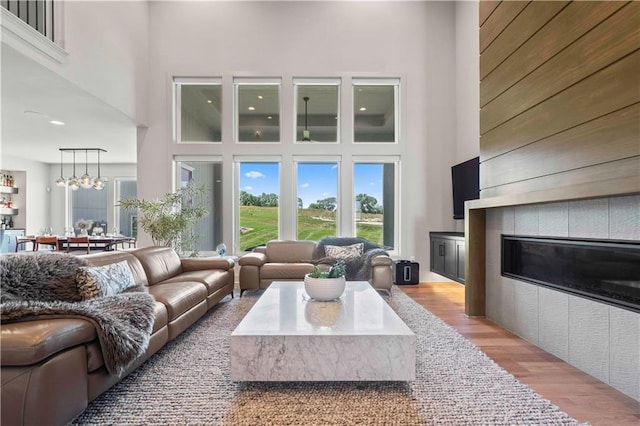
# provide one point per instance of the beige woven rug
(188, 383)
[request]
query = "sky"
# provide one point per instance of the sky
(316, 181)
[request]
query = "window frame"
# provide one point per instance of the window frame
(301, 81)
(251, 81)
(396, 83)
(177, 84)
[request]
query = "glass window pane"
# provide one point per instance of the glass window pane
(317, 200)
(90, 205)
(374, 202)
(259, 194)
(206, 234)
(258, 115)
(317, 115)
(374, 113)
(201, 113)
(127, 218)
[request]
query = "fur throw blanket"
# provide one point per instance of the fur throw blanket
(358, 268)
(42, 285)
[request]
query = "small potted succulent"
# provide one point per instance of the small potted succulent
(326, 285)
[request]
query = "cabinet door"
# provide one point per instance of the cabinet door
(449, 258)
(460, 250)
(437, 255)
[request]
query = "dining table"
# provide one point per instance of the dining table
(103, 242)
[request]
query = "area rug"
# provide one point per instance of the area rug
(188, 383)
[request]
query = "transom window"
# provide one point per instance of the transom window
(257, 110)
(198, 103)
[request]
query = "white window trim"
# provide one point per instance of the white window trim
(255, 81)
(335, 81)
(178, 82)
(395, 82)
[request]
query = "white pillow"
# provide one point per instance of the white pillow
(107, 280)
(344, 252)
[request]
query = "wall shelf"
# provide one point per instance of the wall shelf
(8, 190)
(8, 212)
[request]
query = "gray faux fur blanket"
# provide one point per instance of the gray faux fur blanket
(42, 285)
(358, 268)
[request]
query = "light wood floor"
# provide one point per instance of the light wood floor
(574, 392)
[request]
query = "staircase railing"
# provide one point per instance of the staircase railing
(38, 14)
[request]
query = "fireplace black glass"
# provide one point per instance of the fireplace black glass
(607, 271)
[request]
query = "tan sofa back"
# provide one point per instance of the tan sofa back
(287, 251)
(159, 263)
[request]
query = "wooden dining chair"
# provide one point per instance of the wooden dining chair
(78, 244)
(47, 241)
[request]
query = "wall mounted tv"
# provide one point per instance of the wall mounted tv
(465, 180)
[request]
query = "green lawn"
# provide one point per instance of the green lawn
(260, 224)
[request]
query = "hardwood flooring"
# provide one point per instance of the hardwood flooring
(574, 392)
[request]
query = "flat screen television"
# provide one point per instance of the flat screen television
(465, 180)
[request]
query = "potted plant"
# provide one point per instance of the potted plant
(169, 219)
(326, 285)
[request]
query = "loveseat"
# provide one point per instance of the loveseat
(55, 363)
(290, 260)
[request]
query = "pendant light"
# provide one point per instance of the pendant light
(61, 181)
(98, 183)
(305, 132)
(73, 180)
(86, 181)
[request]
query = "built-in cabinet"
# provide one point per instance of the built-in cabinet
(447, 254)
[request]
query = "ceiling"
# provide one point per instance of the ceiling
(32, 95)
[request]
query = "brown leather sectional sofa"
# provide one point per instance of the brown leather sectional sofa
(52, 368)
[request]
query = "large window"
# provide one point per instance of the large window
(374, 203)
(375, 110)
(259, 184)
(126, 219)
(198, 104)
(257, 110)
(317, 110)
(205, 174)
(317, 200)
(90, 206)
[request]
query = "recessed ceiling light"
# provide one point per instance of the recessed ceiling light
(269, 117)
(251, 108)
(209, 101)
(56, 122)
(363, 108)
(259, 96)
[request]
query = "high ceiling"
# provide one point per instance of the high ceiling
(32, 95)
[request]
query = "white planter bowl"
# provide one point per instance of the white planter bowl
(324, 288)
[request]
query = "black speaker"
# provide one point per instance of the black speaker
(406, 272)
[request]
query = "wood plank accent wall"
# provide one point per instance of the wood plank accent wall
(559, 111)
(559, 95)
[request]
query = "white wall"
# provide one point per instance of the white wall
(411, 40)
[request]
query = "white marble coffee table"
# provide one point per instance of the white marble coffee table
(287, 337)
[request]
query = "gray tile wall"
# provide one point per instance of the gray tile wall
(602, 340)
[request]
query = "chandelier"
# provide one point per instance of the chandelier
(85, 181)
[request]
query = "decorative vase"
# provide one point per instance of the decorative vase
(324, 289)
(221, 249)
(84, 232)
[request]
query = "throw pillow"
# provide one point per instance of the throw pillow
(107, 280)
(344, 252)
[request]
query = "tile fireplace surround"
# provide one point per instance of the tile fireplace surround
(597, 338)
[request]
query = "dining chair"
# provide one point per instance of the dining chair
(78, 244)
(131, 242)
(23, 241)
(47, 241)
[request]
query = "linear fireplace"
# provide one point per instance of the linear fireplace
(607, 271)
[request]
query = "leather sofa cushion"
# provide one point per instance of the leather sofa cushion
(107, 258)
(29, 342)
(178, 298)
(159, 263)
(285, 271)
(213, 279)
(290, 251)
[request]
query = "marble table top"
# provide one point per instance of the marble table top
(288, 336)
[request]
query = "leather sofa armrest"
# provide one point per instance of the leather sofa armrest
(381, 260)
(253, 259)
(199, 264)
